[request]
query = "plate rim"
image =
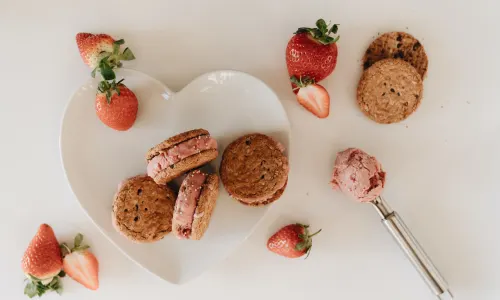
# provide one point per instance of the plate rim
(168, 91)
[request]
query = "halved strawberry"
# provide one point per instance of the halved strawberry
(80, 264)
(312, 96)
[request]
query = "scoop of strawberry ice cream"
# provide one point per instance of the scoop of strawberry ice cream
(358, 175)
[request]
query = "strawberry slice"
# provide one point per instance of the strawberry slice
(80, 264)
(312, 96)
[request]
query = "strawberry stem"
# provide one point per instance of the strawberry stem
(301, 81)
(321, 33)
(314, 233)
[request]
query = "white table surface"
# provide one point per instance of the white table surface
(442, 163)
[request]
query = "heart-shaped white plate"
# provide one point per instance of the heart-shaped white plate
(96, 158)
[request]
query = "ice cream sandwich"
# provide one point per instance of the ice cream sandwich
(254, 169)
(179, 154)
(194, 206)
(143, 210)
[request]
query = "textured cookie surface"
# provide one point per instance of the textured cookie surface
(143, 210)
(185, 165)
(176, 139)
(205, 208)
(389, 91)
(273, 198)
(253, 168)
(399, 45)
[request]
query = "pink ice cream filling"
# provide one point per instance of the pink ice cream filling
(179, 152)
(187, 201)
(358, 175)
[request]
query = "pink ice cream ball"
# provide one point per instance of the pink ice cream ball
(358, 175)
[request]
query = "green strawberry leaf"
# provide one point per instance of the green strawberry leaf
(93, 72)
(59, 290)
(321, 33)
(108, 96)
(53, 283)
(321, 24)
(334, 29)
(83, 247)
(300, 246)
(61, 274)
(303, 30)
(41, 289)
(116, 46)
(78, 240)
(108, 73)
(127, 54)
(295, 80)
(64, 247)
(30, 290)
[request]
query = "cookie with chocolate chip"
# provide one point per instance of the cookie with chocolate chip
(254, 169)
(389, 91)
(397, 45)
(143, 210)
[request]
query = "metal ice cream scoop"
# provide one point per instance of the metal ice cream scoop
(412, 249)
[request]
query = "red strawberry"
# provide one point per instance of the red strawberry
(42, 262)
(94, 47)
(80, 264)
(291, 241)
(116, 105)
(312, 96)
(312, 52)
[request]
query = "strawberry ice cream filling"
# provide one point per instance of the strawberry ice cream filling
(358, 175)
(179, 152)
(187, 201)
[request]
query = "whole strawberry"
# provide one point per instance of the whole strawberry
(116, 105)
(292, 241)
(312, 52)
(94, 47)
(80, 264)
(42, 263)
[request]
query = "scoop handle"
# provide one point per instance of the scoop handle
(412, 249)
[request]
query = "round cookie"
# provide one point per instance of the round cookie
(399, 45)
(143, 210)
(389, 91)
(275, 197)
(254, 168)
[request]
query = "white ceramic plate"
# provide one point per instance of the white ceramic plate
(96, 158)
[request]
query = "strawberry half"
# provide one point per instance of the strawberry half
(80, 264)
(312, 52)
(42, 263)
(292, 241)
(312, 96)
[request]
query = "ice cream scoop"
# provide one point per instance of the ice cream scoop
(360, 176)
